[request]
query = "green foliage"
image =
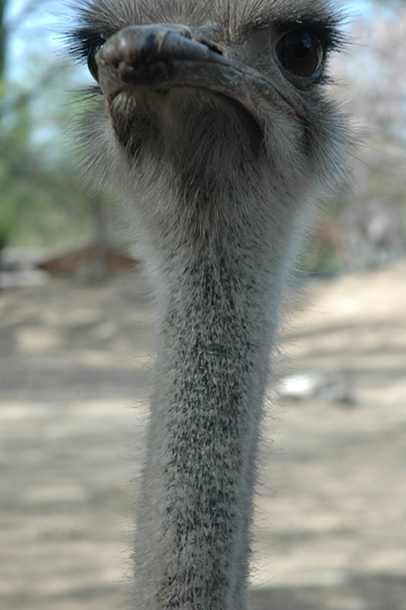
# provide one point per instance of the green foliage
(38, 207)
(40, 202)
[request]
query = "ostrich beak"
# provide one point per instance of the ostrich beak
(160, 57)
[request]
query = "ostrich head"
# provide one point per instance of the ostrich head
(213, 121)
(204, 100)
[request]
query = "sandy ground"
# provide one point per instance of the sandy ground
(75, 364)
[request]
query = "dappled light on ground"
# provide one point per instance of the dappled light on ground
(75, 365)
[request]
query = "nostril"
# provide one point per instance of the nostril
(186, 33)
(213, 46)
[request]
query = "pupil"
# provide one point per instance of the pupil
(303, 46)
(300, 51)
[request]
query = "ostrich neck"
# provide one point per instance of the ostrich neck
(216, 318)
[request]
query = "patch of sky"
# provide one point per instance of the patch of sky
(35, 31)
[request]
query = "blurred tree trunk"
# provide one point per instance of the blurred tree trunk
(2, 38)
(3, 229)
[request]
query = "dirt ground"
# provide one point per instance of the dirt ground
(75, 364)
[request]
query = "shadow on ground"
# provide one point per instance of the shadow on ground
(360, 592)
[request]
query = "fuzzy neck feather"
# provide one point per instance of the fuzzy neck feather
(218, 297)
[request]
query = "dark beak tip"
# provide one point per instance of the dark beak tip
(148, 44)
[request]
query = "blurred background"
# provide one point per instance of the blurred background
(76, 327)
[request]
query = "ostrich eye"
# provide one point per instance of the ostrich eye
(91, 60)
(301, 52)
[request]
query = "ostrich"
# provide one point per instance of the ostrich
(213, 123)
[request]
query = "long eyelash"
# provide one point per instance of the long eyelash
(83, 41)
(328, 31)
(97, 20)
